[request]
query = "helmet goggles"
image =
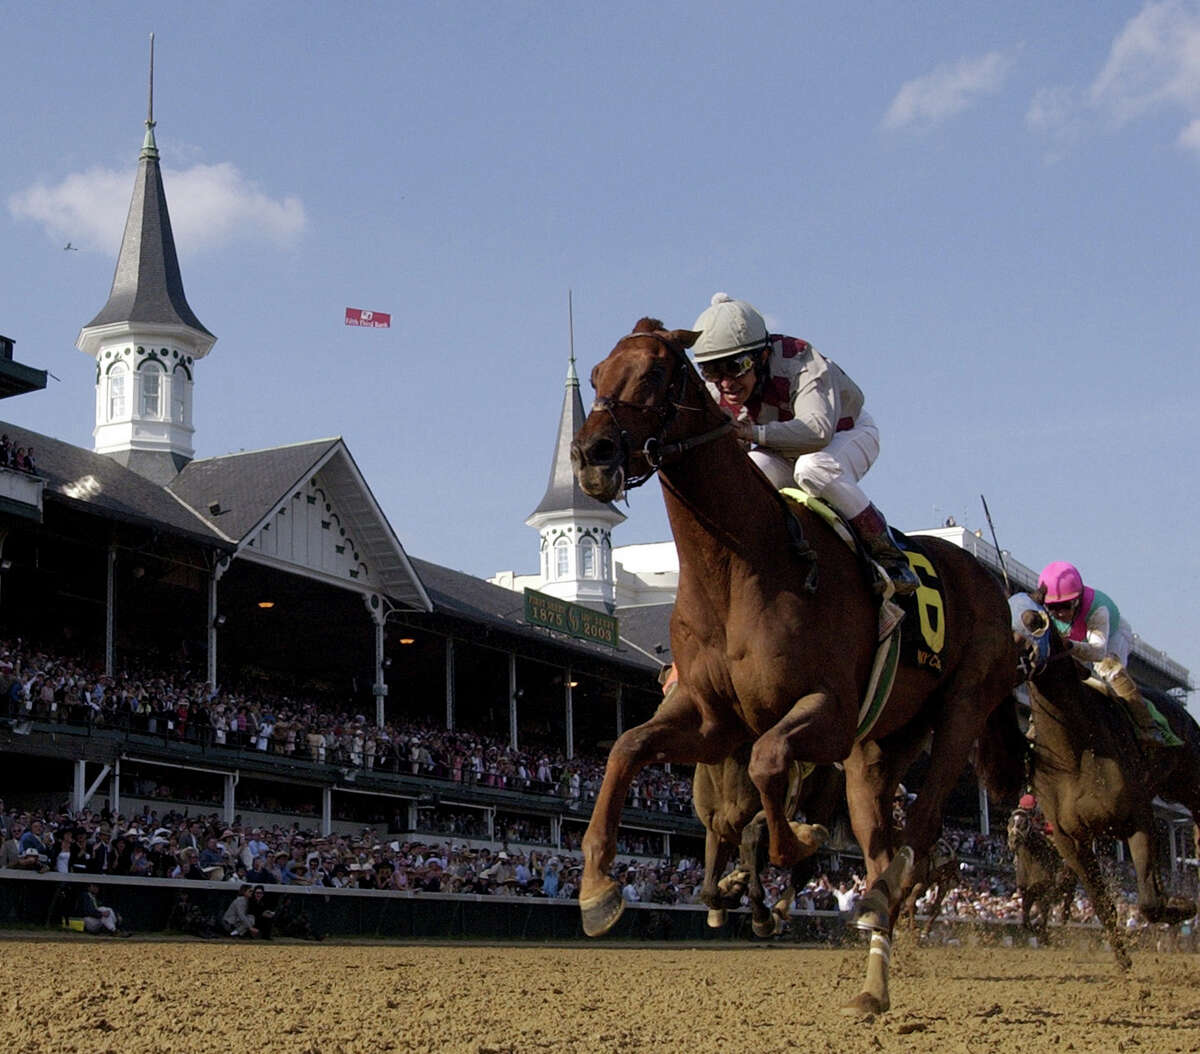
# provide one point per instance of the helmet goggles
(729, 368)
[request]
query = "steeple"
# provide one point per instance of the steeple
(146, 338)
(575, 528)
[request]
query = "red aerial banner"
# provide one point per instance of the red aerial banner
(374, 319)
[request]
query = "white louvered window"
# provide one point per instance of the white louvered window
(118, 378)
(152, 390)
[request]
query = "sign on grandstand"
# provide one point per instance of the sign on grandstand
(572, 619)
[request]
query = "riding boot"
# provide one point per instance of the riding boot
(1125, 689)
(876, 536)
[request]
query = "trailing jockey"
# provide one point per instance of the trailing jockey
(1096, 636)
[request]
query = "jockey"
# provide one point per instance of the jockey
(1029, 806)
(803, 417)
(1096, 636)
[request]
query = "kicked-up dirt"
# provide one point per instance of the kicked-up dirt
(81, 994)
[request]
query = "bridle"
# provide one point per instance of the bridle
(654, 451)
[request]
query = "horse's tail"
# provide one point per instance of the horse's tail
(1003, 749)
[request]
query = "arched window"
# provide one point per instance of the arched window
(152, 389)
(587, 559)
(562, 558)
(118, 393)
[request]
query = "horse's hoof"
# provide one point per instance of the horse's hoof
(768, 927)
(811, 836)
(865, 1005)
(600, 913)
(733, 885)
(872, 912)
(1123, 960)
(782, 910)
(716, 918)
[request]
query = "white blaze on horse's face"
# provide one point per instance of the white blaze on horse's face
(1031, 625)
(629, 386)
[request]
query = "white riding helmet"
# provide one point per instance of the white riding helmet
(728, 327)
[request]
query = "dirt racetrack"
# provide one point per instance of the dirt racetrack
(83, 994)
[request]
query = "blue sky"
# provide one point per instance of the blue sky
(988, 214)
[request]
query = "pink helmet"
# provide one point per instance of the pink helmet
(1028, 802)
(1062, 580)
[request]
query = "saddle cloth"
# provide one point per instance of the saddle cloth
(922, 611)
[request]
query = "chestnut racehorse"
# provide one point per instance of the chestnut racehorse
(1094, 778)
(774, 636)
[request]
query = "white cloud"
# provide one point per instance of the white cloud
(1154, 62)
(1189, 138)
(211, 206)
(947, 91)
(1152, 66)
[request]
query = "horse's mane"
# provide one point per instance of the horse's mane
(646, 324)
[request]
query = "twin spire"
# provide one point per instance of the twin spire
(146, 338)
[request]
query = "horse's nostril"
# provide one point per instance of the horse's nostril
(602, 452)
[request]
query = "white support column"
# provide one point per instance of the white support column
(220, 566)
(512, 701)
(110, 567)
(230, 796)
(114, 787)
(326, 811)
(620, 708)
(450, 684)
(379, 689)
(556, 831)
(77, 787)
(412, 814)
(1173, 846)
(985, 816)
(569, 706)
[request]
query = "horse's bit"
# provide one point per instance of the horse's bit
(654, 451)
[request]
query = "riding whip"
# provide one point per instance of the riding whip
(999, 551)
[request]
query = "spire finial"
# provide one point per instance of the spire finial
(149, 146)
(572, 377)
(150, 106)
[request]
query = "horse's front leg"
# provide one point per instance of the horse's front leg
(816, 729)
(1150, 898)
(1082, 860)
(676, 733)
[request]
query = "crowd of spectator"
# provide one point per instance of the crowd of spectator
(49, 687)
(16, 457)
(39, 685)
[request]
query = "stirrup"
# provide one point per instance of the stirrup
(903, 578)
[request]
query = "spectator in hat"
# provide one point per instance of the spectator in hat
(34, 838)
(260, 874)
(188, 866)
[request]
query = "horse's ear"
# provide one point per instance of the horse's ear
(1039, 595)
(685, 338)
(647, 325)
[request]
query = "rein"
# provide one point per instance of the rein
(654, 451)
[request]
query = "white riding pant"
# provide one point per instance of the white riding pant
(831, 474)
(106, 921)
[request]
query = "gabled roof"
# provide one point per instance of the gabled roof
(462, 595)
(147, 287)
(563, 492)
(238, 493)
(647, 627)
(89, 480)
